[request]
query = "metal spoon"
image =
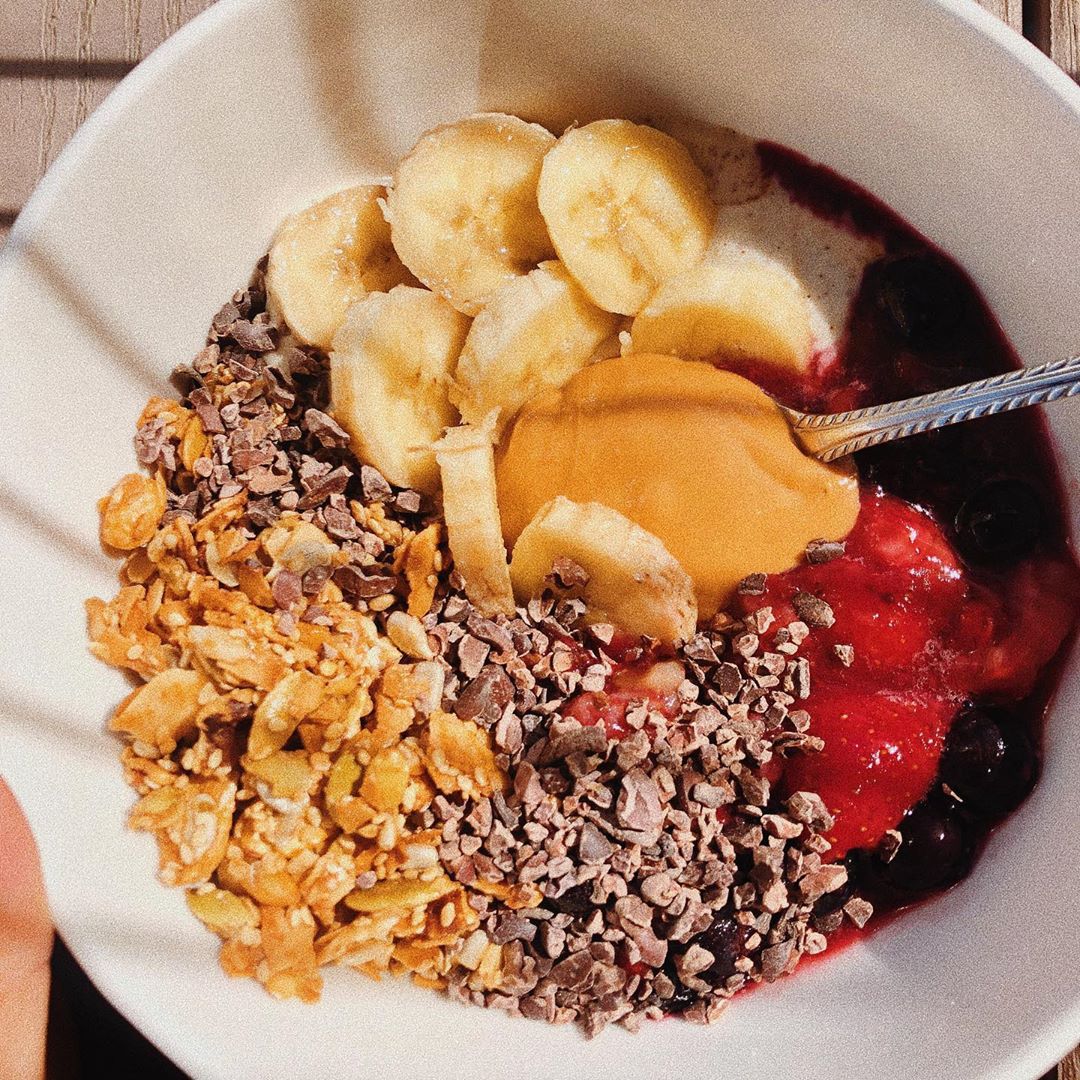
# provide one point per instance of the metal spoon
(828, 436)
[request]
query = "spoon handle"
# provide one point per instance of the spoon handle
(828, 436)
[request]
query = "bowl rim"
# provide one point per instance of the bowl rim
(1045, 1046)
(971, 12)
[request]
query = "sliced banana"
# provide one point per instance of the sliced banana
(532, 336)
(390, 373)
(826, 258)
(471, 511)
(626, 207)
(326, 257)
(728, 158)
(738, 309)
(634, 581)
(463, 211)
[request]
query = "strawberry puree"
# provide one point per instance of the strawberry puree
(625, 689)
(904, 604)
(926, 638)
(940, 617)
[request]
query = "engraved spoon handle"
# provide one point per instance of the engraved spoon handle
(828, 436)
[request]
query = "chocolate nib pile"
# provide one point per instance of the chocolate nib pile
(665, 872)
(671, 875)
(261, 399)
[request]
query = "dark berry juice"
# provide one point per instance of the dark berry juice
(957, 588)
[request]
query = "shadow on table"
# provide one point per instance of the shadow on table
(88, 1038)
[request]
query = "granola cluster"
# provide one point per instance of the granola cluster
(343, 762)
(289, 728)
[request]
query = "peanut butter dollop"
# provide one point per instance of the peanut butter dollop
(702, 458)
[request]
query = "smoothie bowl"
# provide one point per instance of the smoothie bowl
(485, 624)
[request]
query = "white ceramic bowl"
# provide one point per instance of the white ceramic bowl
(159, 209)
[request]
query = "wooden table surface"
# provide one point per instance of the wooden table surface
(60, 58)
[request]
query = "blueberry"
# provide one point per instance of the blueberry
(925, 302)
(935, 853)
(725, 939)
(989, 761)
(1001, 521)
(575, 901)
(923, 469)
(680, 1001)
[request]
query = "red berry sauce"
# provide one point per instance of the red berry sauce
(957, 587)
(927, 637)
(956, 590)
(633, 681)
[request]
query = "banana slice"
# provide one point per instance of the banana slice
(728, 158)
(467, 463)
(389, 378)
(741, 309)
(326, 257)
(626, 207)
(634, 581)
(824, 256)
(532, 336)
(462, 209)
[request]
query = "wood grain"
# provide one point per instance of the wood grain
(1065, 35)
(58, 61)
(60, 58)
(1010, 11)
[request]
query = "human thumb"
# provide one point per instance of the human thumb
(26, 936)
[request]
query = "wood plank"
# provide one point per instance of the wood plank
(37, 118)
(1010, 11)
(174, 13)
(58, 61)
(1065, 35)
(111, 29)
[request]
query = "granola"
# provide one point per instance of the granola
(344, 762)
(288, 735)
(579, 783)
